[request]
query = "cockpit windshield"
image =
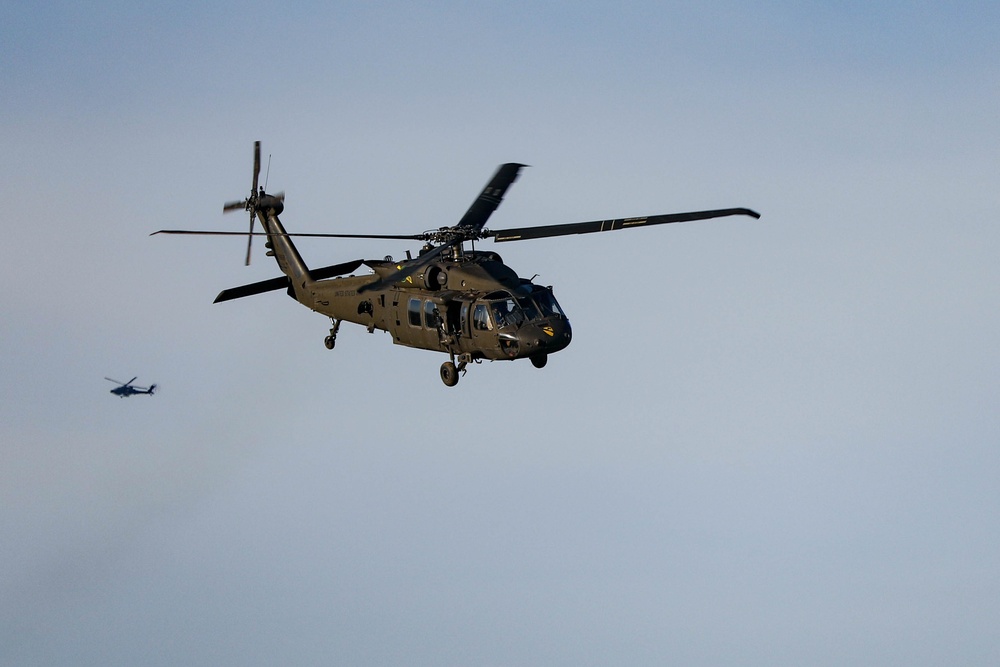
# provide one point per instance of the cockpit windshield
(547, 303)
(543, 304)
(529, 308)
(529, 303)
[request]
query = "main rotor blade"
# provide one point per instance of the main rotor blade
(114, 380)
(544, 231)
(409, 269)
(335, 270)
(397, 237)
(490, 197)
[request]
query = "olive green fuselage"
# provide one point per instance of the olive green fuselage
(493, 314)
(468, 305)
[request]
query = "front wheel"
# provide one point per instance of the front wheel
(539, 360)
(449, 374)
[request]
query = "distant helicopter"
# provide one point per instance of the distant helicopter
(463, 302)
(128, 389)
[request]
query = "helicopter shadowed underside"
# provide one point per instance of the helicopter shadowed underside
(460, 301)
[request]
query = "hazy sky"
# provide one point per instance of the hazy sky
(771, 442)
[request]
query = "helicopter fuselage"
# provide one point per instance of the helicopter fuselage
(468, 305)
(471, 306)
(126, 389)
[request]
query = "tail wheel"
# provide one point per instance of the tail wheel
(449, 374)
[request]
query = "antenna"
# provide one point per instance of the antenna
(267, 172)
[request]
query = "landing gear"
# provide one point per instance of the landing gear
(539, 360)
(450, 371)
(449, 374)
(331, 340)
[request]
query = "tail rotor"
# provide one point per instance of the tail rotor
(250, 203)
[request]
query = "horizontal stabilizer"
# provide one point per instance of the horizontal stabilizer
(253, 288)
(282, 282)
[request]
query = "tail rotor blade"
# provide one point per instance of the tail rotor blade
(234, 205)
(256, 166)
(250, 238)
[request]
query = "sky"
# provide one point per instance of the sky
(772, 442)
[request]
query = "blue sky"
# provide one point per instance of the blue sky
(771, 442)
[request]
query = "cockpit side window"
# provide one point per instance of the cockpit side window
(506, 313)
(481, 318)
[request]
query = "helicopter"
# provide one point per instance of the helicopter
(464, 302)
(128, 389)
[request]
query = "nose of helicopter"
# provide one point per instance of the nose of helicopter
(545, 337)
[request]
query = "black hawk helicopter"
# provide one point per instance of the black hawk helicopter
(128, 389)
(460, 301)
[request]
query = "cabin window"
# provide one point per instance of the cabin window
(432, 317)
(464, 318)
(413, 310)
